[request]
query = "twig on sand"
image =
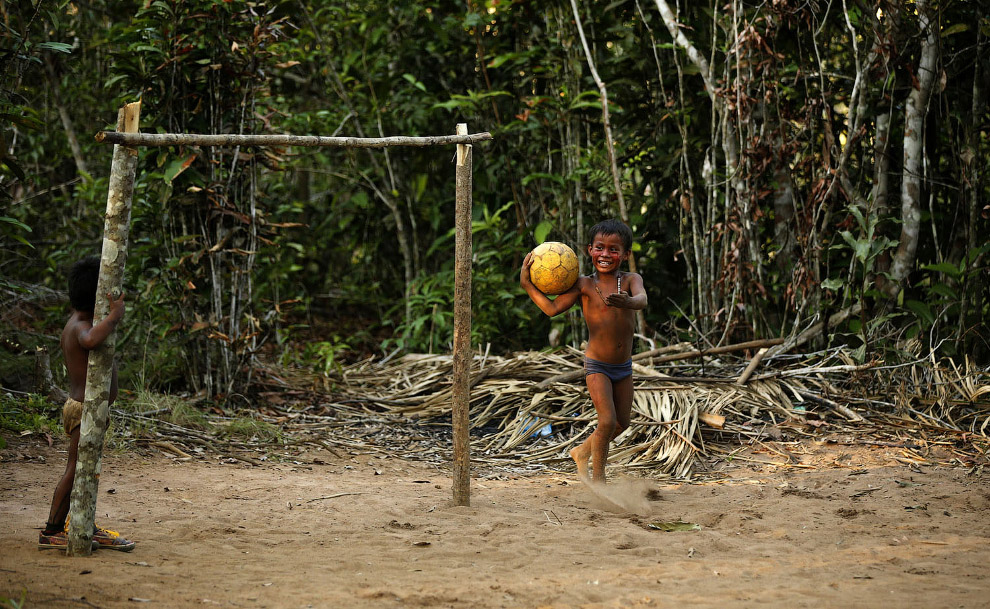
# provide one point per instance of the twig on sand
(331, 496)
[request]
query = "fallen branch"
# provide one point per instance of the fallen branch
(331, 497)
(839, 408)
(570, 376)
(169, 447)
(815, 330)
(753, 363)
(753, 344)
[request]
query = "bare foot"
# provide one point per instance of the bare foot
(581, 455)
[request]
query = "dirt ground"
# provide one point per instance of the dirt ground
(853, 527)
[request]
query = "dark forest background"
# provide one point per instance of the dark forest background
(780, 162)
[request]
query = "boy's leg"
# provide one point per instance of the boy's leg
(622, 397)
(596, 446)
(63, 490)
(54, 534)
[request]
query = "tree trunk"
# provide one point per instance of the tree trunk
(783, 196)
(914, 118)
(670, 20)
(616, 181)
(63, 114)
(96, 406)
(972, 170)
(701, 250)
(43, 382)
(610, 143)
(881, 191)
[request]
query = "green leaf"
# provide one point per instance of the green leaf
(944, 267)
(360, 199)
(412, 80)
(921, 310)
(16, 223)
(833, 284)
(177, 166)
(23, 240)
(59, 47)
(451, 104)
(548, 176)
(862, 250)
(859, 216)
(18, 119)
(419, 186)
(542, 230)
(943, 290)
(848, 238)
(584, 104)
(500, 59)
(114, 80)
(157, 51)
(14, 168)
(955, 28)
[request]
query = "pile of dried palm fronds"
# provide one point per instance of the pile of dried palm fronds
(518, 413)
(528, 409)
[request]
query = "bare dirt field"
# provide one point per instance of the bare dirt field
(847, 527)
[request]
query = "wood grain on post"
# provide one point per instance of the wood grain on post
(462, 324)
(96, 407)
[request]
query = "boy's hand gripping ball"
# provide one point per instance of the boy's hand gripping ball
(555, 267)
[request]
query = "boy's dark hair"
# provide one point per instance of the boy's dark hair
(83, 277)
(612, 226)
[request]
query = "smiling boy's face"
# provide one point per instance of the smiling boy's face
(607, 253)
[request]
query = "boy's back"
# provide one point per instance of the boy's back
(76, 358)
(79, 337)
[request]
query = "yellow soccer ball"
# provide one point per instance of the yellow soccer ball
(555, 267)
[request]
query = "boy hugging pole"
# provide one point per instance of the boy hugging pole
(96, 408)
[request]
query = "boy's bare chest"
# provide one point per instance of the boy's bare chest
(599, 314)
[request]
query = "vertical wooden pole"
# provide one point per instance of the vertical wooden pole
(98, 375)
(462, 323)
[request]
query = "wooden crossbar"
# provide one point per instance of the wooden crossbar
(233, 139)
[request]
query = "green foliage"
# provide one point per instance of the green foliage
(13, 603)
(153, 407)
(495, 294)
(32, 413)
(12, 228)
(325, 355)
(252, 429)
(242, 254)
(865, 247)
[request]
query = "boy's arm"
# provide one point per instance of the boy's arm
(94, 336)
(550, 307)
(632, 297)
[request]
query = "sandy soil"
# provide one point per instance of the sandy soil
(856, 530)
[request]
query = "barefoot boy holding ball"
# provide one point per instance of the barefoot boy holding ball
(609, 299)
